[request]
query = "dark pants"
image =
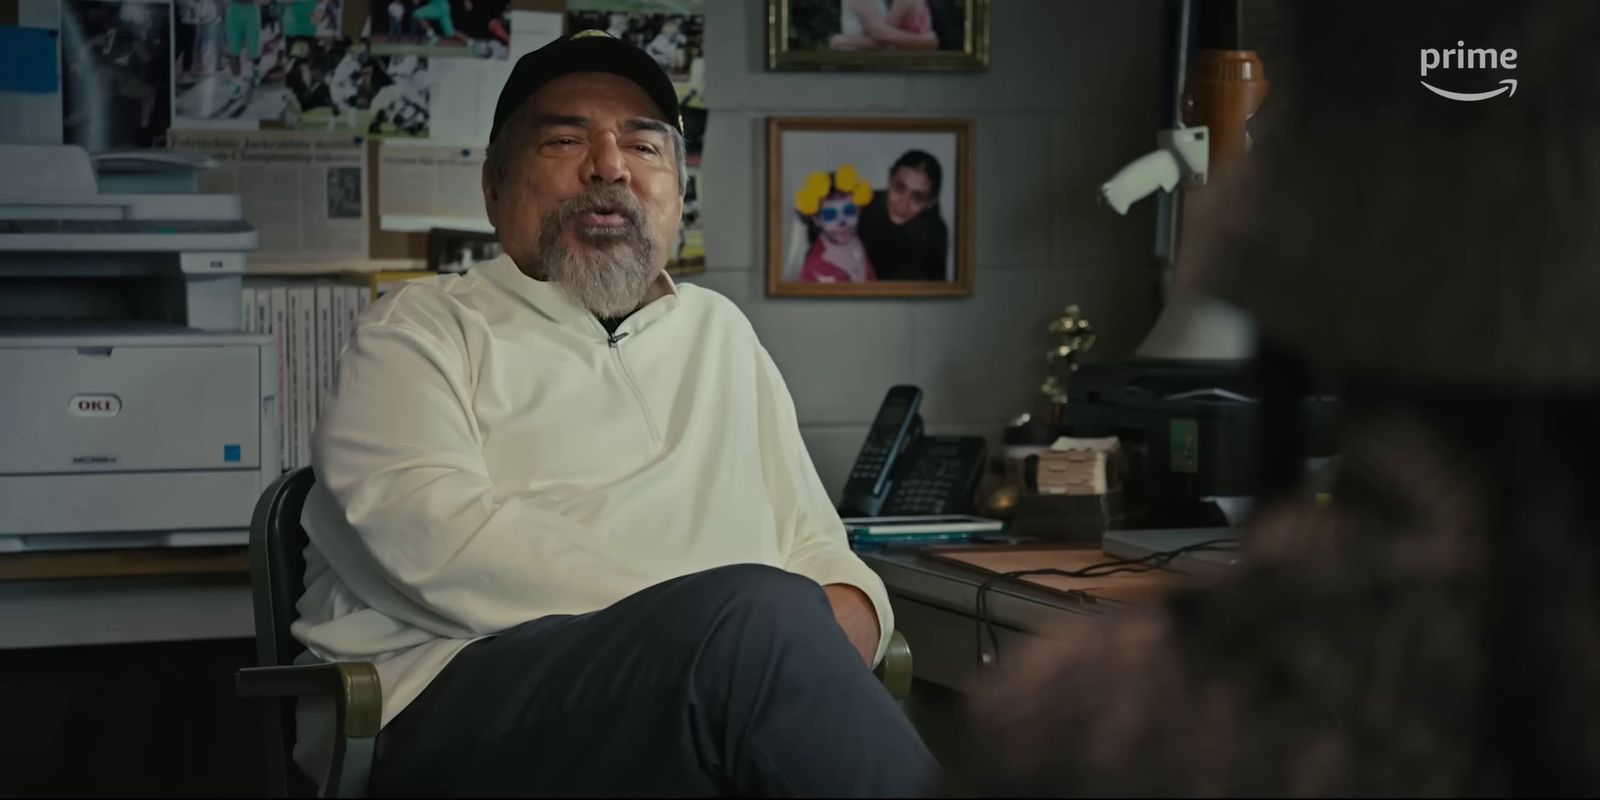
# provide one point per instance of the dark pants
(733, 681)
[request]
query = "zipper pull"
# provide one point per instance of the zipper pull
(614, 338)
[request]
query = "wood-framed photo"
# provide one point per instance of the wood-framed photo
(451, 250)
(869, 207)
(878, 35)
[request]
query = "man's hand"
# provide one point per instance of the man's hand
(856, 616)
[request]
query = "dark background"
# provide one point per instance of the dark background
(129, 720)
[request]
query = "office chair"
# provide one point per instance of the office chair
(277, 579)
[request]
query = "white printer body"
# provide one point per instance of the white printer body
(133, 413)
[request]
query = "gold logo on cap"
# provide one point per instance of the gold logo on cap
(591, 32)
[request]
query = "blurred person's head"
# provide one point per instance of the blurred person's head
(1433, 628)
(1386, 229)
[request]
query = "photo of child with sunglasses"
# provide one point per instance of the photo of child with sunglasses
(869, 207)
(830, 206)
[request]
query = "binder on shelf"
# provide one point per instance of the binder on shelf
(340, 333)
(247, 311)
(305, 355)
(353, 306)
(311, 318)
(280, 336)
(324, 342)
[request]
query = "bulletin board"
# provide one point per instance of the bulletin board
(348, 128)
(385, 245)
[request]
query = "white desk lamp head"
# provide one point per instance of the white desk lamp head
(1192, 327)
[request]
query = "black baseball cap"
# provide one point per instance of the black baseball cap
(586, 51)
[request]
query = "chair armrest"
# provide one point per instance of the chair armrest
(895, 669)
(358, 697)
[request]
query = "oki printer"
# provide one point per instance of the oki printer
(133, 413)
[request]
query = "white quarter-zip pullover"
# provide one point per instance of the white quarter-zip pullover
(491, 455)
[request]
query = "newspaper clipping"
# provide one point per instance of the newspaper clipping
(466, 90)
(430, 186)
(303, 191)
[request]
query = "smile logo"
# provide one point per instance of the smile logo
(1476, 58)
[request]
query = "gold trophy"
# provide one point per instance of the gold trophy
(1076, 337)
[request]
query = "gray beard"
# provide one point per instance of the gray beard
(611, 277)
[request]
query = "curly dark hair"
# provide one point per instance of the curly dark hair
(1435, 628)
(1430, 632)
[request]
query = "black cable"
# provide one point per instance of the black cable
(985, 625)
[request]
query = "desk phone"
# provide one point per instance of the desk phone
(900, 472)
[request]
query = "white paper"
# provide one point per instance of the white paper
(305, 193)
(466, 90)
(531, 30)
(1106, 444)
(27, 118)
(461, 116)
(39, 13)
(422, 186)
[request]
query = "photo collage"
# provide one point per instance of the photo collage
(673, 33)
(133, 69)
(138, 73)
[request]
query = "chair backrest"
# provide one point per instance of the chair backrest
(277, 579)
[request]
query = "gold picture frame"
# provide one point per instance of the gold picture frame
(795, 31)
(869, 207)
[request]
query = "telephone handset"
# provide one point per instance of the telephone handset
(900, 472)
(896, 425)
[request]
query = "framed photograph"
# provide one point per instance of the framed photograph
(869, 207)
(441, 28)
(452, 250)
(883, 35)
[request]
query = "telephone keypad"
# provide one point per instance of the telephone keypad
(870, 464)
(914, 495)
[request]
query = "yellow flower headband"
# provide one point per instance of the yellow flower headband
(808, 200)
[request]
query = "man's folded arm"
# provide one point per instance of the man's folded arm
(398, 452)
(814, 538)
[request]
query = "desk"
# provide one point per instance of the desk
(935, 601)
(123, 597)
(935, 607)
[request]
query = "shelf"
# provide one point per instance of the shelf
(124, 563)
(269, 269)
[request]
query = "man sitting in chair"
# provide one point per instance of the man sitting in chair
(563, 504)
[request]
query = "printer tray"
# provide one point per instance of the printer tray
(134, 502)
